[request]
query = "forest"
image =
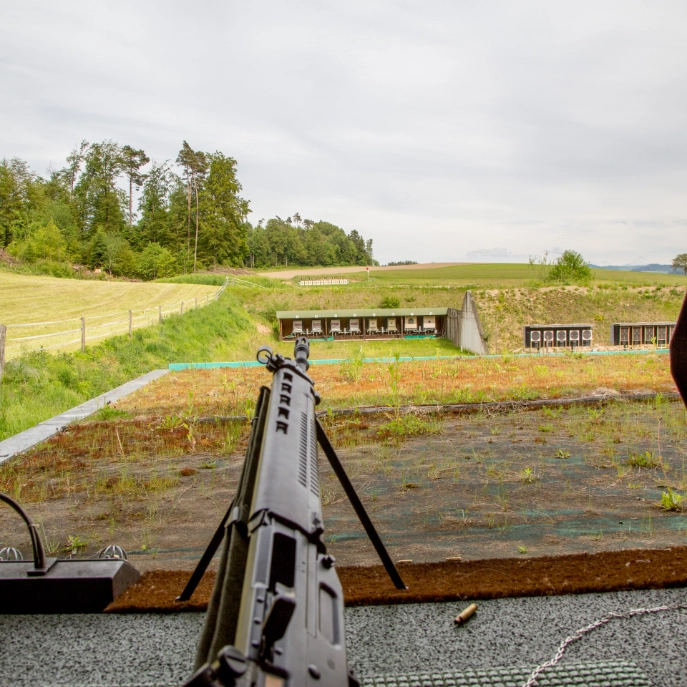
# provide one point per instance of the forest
(112, 210)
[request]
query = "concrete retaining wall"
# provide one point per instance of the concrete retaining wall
(464, 329)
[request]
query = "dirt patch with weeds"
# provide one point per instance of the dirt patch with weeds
(488, 485)
(227, 391)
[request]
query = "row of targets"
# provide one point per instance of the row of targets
(557, 335)
(633, 334)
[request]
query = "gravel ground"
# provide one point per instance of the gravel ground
(157, 650)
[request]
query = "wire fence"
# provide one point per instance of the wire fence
(235, 281)
(19, 337)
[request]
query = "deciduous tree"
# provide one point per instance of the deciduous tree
(680, 262)
(570, 268)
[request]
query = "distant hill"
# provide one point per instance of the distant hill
(653, 267)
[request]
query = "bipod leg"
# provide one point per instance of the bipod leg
(358, 506)
(203, 563)
(244, 493)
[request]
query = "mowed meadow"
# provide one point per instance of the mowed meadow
(479, 275)
(51, 305)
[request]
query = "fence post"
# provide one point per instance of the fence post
(130, 323)
(3, 333)
(159, 313)
(83, 334)
(181, 311)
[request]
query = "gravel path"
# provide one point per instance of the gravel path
(157, 650)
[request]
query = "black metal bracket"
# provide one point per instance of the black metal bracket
(678, 352)
(65, 586)
(41, 564)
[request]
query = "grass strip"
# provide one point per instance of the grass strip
(38, 385)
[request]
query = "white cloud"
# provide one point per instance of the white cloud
(441, 130)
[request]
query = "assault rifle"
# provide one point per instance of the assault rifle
(275, 618)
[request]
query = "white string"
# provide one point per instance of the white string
(580, 633)
(44, 336)
(59, 345)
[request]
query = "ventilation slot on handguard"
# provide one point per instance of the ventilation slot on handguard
(314, 472)
(303, 454)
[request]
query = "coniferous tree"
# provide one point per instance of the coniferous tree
(132, 161)
(195, 165)
(223, 213)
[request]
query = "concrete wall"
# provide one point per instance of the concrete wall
(464, 328)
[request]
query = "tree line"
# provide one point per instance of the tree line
(188, 215)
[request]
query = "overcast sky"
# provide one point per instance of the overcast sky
(483, 131)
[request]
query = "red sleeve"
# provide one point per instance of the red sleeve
(678, 352)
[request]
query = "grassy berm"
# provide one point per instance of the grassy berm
(39, 385)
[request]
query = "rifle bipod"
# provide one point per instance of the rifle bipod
(339, 471)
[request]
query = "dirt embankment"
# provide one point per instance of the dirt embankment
(451, 580)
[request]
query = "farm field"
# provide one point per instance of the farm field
(498, 275)
(105, 304)
(324, 272)
(488, 485)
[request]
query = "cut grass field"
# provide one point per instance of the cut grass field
(60, 303)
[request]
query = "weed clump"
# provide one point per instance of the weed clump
(352, 368)
(671, 501)
(409, 425)
(74, 545)
(109, 413)
(390, 302)
(643, 460)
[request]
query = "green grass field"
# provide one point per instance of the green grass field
(37, 386)
(348, 350)
(60, 303)
(508, 275)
